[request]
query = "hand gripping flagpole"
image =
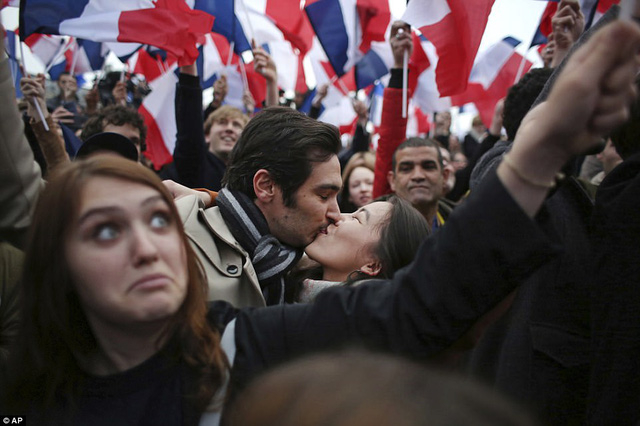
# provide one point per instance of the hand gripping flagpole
(33, 98)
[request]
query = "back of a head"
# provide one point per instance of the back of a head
(626, 138)
(117, 115)
(400, 237)
(521, 97)
(284, 142)
(361, 389)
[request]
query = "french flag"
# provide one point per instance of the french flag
(423, 77)
(10, 44)
(87, 56)
(601, 8)
(226, 22)
(79, 56)
(46, 48)
(495, 71)
(339, 87)
(168, 24)
(341, 115)
(541, 35)
(214, 59)
(417, 122)
(159, 112)
(276, 20)
(352, 33)
(455, 28)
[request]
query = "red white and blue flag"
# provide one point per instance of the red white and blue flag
(494, 72)
(158, 110)
(353, 35)
(168, 24)
(455, 28)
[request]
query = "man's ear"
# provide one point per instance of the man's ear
(391, 179)
(445, 174)
(264, 186)
(372, 268)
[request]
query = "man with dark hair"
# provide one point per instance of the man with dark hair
(521, 97)
(517, 104)
(279, 192)
(418, 175)
(118, 119)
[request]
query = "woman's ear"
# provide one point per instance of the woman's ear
(372, 268)
(264, 186)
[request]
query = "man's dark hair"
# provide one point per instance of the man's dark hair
(626, 138)
(416, 142)
(284, 142)
(118, 115)
(521, 97)
(64, 73)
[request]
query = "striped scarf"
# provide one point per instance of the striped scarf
(270, 258)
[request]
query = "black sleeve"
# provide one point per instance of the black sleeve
(464, 176)
(314, 112)
(425, 308)
(189, 154)
(360, 143)
(395, 81)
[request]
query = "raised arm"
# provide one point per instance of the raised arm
(393, 127)
(50, 141)
(265, 65)
(590, 98)
(20, 176)
(433, 302)
(189, 154)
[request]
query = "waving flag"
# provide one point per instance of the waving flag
(226, 23)
(352, 34)
(492, 76)
(544, 29)
(167, 24)
(16, 73)
(46, 48)
(455, 28)
(341, 115)
(422, 82)
(159, 112)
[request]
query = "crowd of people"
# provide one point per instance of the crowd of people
(269, 276)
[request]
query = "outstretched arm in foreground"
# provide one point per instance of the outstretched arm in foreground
(590, 98)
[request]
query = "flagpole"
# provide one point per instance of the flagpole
(243, 71)
(33, 98)
(521, 67)
(405, 72)
(246, 13)
(232, 46)
(74, 59)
